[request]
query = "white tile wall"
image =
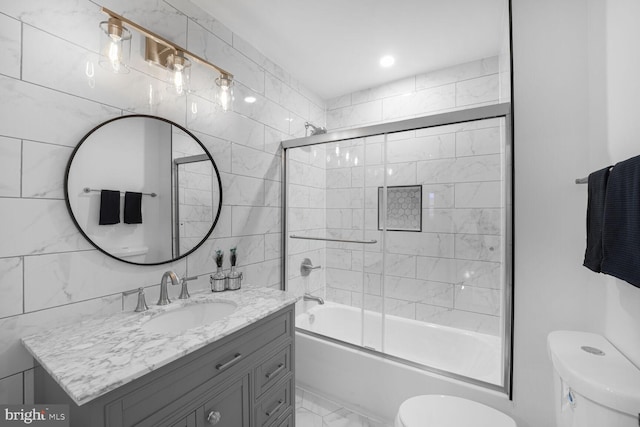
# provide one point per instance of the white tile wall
(43, 169)
(54, 92)
(451, 272)
(11, 389)
(10, 45)
(11, 270)
(10, 167)
(461, 86)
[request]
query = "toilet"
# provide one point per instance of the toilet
(448, 411)
(594, 384)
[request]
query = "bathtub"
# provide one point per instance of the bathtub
(375, 384)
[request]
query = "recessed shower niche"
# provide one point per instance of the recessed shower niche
(172, 171)
(404, 208)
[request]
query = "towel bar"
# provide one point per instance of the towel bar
(88, 190)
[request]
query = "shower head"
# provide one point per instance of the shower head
(315, 130)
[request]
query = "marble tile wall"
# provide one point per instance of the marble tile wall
(462, 86)
(54, 92)
(307, 216)
(451, 272)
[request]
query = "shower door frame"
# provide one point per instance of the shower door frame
(502, 110)
(176, 180)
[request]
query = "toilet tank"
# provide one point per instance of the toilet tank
(595, 385)
(137, 254)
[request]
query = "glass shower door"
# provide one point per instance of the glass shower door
(444, 270)
(410, 223)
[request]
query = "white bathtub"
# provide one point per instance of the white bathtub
(377, 385)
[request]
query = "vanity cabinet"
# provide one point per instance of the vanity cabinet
(245, 379)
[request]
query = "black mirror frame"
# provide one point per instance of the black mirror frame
(73, 218)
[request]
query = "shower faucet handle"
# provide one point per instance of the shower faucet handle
(307, 266)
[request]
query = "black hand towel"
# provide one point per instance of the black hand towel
(132, 208)
(621, 225)
(109, 207)
(597, 191)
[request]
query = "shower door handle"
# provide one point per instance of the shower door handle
(327, 239)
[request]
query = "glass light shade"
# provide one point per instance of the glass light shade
(179, 69)
(115, 46)
(224, 96)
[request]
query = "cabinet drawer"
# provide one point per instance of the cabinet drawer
(286, 420)
(189, 421)
(274, 404)
(272, 370)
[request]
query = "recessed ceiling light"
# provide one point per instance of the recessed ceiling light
(387, 61)
(250, 99)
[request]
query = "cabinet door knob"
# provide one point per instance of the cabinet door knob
(214, 417)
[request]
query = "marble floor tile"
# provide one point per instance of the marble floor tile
(315, 411)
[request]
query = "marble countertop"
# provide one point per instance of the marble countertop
(98, 355)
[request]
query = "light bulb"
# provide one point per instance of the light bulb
(115, 46)
(179, 72)
(225, 92)
(114, 55)
(178, 80)
(225, 98)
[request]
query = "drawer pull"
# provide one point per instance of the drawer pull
(223, 366)
(274, 373)
(274, 410)
(214, 417)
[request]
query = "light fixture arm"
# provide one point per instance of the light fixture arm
(162, 40)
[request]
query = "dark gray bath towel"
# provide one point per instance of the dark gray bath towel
(109, 207)
(132, 208)
(597, 191)
(621, 225)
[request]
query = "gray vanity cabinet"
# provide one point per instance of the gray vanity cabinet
(243, 380)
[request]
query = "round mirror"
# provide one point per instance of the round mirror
(143, 189)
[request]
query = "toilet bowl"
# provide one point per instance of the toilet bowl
(448, 411)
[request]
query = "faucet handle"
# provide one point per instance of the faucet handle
(184, 292)
(142, 303)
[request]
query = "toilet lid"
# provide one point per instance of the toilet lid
(450, 411)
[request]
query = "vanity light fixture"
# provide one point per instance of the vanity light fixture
(115, 45)
(161, 52)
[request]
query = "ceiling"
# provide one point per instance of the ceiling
(333, 46)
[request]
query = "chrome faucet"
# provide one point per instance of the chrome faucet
(309, 297)
(164, 295)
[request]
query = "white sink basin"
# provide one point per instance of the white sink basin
(190, 316)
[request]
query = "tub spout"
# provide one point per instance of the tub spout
(309, 297)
